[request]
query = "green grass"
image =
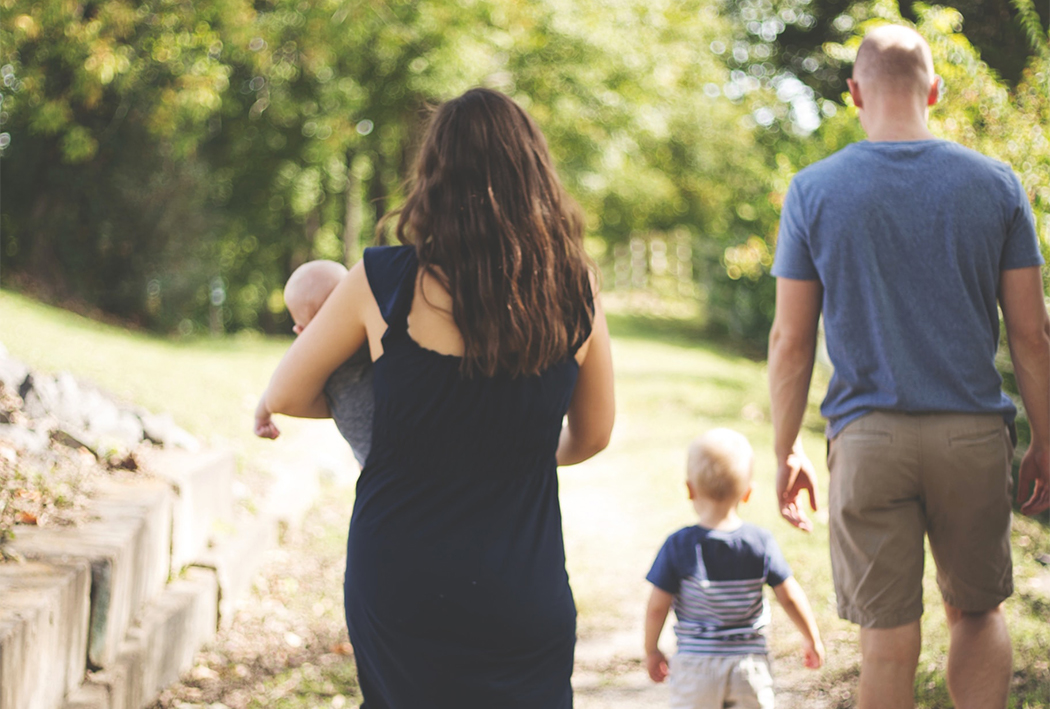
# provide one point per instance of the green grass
(618, 508)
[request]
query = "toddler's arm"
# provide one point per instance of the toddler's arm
(655, 615)
(793, 599)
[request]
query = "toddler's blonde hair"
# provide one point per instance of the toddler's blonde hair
(719, 465)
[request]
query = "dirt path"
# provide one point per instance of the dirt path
(287, 644)
(614, 524)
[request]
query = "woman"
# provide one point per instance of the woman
(484, 335)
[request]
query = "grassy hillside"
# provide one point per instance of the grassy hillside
(210, 386)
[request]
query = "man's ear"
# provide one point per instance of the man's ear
(935, 91)
(854, 91)
(297, 329)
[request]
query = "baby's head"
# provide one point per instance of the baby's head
(308, 287)
(719, 466)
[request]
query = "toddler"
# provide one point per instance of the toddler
(713, 574)
(348, 390)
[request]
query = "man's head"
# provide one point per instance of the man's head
(894, 64)
(308, 287)
(719, 466)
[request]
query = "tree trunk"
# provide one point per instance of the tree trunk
(353, 217)
(377, 192)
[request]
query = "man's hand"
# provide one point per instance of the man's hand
(1034, 475)
(656, 664)
(794, 475)
(264, 425)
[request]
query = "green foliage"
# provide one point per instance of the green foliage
(172, 163)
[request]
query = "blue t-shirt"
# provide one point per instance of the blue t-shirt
(716, 578)
(908, 240)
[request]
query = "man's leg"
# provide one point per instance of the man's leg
(889, 657)
(980, 659)
(877, 525)
(968, 505)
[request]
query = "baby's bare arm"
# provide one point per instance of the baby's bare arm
(796, 605)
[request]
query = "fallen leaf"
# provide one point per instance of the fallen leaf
(343, 649)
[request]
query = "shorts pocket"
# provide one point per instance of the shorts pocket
(976, 438)
(864, 437)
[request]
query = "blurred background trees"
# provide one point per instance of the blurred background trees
(170, 163)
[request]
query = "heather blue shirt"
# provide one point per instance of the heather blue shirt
(908, 240)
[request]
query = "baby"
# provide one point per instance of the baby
(713, 574)
(349, 388)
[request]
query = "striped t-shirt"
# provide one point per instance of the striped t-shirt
(716, 578)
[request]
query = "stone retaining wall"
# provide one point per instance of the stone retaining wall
(106, 613)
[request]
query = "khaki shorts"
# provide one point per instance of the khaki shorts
(713, 682)
(896, 476)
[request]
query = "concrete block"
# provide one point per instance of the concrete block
(128, 548)
(164, 641)
(88, 696)
(292, 496)
(44, 612)
(203, 487)
(113, 681)
(236, 560)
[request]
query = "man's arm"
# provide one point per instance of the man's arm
(1028, 332)
(792, 350)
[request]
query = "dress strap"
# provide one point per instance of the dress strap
(574, 347)
(391, 272)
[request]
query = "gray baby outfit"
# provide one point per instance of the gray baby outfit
(352, 403)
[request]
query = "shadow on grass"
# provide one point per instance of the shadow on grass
(1027, 689)
(1036, 604)
(840, 686)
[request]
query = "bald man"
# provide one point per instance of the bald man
(907, 244)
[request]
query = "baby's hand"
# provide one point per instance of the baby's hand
(264, 425)
(656, 663)
(266, 429)
(814, 654)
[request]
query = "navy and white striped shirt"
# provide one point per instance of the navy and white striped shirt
(716, 578)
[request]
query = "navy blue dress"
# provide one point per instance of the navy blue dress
(456, 592)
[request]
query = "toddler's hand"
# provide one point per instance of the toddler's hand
(656, 664)
(814, 654)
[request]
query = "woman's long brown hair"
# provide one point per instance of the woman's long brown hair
(491, 221)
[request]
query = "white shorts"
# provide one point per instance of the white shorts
(714, 682)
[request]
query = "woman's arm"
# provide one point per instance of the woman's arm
(592, 408)
(338, 330)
